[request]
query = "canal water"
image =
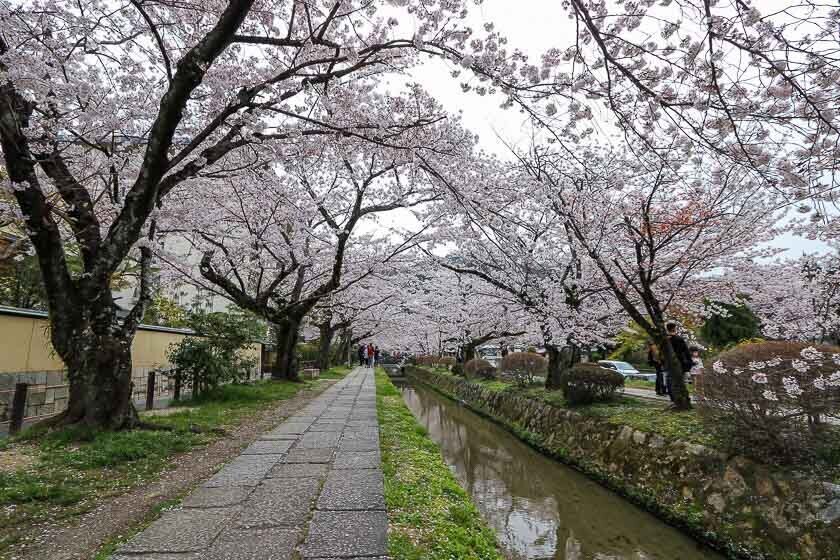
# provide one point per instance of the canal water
(539, 508)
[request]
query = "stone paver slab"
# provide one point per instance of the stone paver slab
(337, 428)
(318, 440)
(358, 445)
(309, 456)
(245, 470)
(352, 490)
(268, 447)
(357, 460)
(183, 530)
(217, 497)
(346, 533)
(254, 544)
(290, 428)
(279, 502)
(299, 470)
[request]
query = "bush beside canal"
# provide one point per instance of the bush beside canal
(745, 508)
(430, 516)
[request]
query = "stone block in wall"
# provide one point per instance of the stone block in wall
(61, 393)
(37, 398)
(59, 405)
(56, 378)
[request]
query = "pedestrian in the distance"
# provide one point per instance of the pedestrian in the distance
(696, 368)
(370, 351)
(655, 361)
(362, 353)
(376, 355)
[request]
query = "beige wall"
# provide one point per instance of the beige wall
(25, 346)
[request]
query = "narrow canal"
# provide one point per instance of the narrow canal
(539, 508)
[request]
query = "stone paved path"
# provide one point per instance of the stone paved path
(309, 488)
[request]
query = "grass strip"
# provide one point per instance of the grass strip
(430, 516)
(70, 471)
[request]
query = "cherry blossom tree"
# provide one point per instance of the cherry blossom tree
(343, 312)
(107, 109)
(283, 241)
(660, 240)
(500, 232)
(755, 84)
(795, 299)
(461, 312)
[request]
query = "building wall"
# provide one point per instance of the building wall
(27, 356)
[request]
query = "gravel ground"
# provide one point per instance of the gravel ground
(80, 538)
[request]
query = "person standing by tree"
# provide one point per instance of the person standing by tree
(681, 352)
(655, 361)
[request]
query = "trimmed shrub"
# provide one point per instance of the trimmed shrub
(479, 368)
(435, 361)
(524, 366)
(445, 361)
(590, 383)
(771, 399)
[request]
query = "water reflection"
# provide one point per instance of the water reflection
(539, 508)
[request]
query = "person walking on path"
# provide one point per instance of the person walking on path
(362, 354)
(376, 355)
(655, 361)
(681, 353)
(370, 356)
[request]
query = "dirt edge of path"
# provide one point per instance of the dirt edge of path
(83, 536)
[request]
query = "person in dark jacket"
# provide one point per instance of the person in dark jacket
(681, 353)
(655, 361)
(362, 355)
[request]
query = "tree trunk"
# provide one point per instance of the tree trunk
(559, 362)
(99, 373)
(469, 352)
(286, 362)
(324, 345)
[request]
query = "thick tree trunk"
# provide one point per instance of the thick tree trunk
(324, 345)
(469, 352)
(98, 360)
(100, 385)
(286, 362)
(559, 362)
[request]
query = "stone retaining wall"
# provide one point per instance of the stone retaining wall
(733, 503)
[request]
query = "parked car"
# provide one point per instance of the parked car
(625, 369)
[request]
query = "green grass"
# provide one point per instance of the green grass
(76, 468)
(640, 384)
(430, 516)
(650, 385)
